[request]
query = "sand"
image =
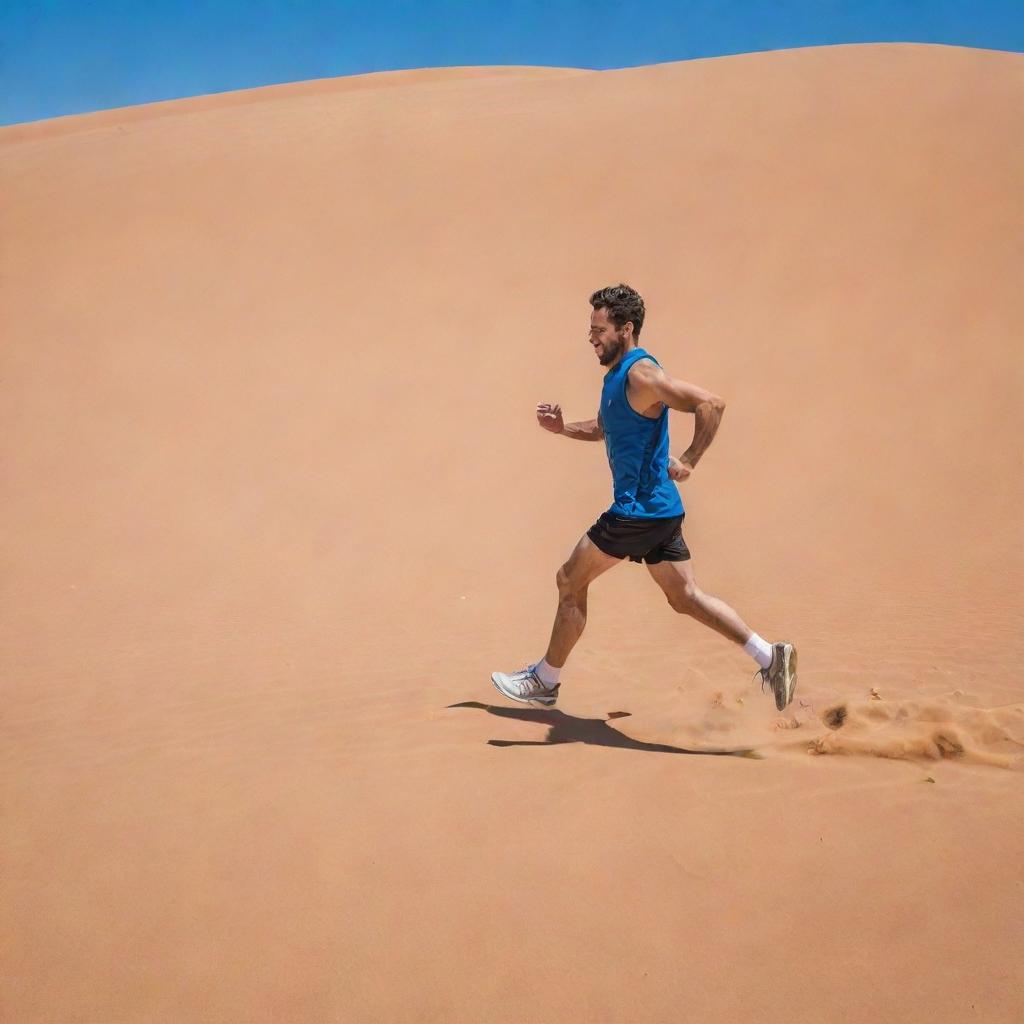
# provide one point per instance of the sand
(276, 504)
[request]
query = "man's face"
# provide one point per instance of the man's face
(607, 340)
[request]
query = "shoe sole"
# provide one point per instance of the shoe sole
(789, 675)
(547, 703)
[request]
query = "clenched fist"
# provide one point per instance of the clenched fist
(677, 469)
(550, 418)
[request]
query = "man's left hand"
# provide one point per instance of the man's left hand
(678, 469)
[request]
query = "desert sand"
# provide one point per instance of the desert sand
(275, 504)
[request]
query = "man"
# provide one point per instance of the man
(643, 523)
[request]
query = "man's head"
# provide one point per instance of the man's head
(615, 322)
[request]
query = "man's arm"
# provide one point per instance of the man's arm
(584, 430)
(649, 384)
(550, 418)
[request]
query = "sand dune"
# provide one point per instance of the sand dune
(276, 504)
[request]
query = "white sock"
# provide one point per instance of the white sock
(548, 673)
(759, 650)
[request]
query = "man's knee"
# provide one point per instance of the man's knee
(567, 591)
(683, 598)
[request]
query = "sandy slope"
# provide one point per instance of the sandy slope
(275, 501)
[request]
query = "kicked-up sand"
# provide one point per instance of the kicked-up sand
(276, 504)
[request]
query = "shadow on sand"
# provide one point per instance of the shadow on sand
(563, 728)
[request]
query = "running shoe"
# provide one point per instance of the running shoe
(525, 686)
(780, 675)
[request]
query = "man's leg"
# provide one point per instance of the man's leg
(777, 661)
(585, 564)
(677, 581)
(540, 682)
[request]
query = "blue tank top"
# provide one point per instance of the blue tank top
(637, 449)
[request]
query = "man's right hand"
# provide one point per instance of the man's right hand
(550, 418)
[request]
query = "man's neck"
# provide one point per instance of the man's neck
(622, 355)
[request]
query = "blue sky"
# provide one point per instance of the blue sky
(70, 56)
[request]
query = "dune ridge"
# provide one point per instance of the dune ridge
(316, 87)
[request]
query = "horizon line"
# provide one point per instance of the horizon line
(227, 94)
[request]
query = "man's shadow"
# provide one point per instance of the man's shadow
(563, 728)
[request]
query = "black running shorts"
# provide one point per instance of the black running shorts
(641, 540)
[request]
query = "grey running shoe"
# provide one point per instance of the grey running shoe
(525, 686)
(781, 674)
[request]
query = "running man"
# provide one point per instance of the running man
(643, 523)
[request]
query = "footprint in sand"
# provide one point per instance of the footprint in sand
(930, 730)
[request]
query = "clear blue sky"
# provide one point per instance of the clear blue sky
(70, 56)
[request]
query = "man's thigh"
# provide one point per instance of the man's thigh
(585, 564)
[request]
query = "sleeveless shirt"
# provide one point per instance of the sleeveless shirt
(637, 448)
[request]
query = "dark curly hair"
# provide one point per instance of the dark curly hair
(623, 304)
